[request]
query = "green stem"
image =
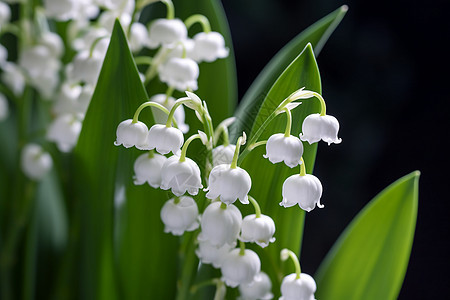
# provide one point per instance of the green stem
(147, 104)
(170, 9)
(302, 167)
(287, 132)
(257, 144)
(159, 58)
(97, 40)
(186, 145)
(174, 107)
(224, 131)
(236, 153)
(256, 206)
(242, 248)
(323, 106)
(143, 60)
(223, 206)
(198, 19)
(285, 254)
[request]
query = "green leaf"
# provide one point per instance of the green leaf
(370, 258)
(317, 34)
(267, 178)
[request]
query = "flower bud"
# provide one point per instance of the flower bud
(166, 32)
(35, 161)
(210, 254)
(180, 73)
(302, 288)
(280, 148)
(181, 176)
(220, 225)
(180, 216)
(165, 139)
(147, 168)
(316, 127)
(64, 131)
(223, 154)
(258, 230)
(259, 289)
(302, 190)
(131, 134)
(229, 184)
(209, 46)
(240, 269)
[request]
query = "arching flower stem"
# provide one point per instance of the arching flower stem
(242, 247)
(256, 206)
(224, 131)
(302, 167)
(257, 144)
(174, 107)
(170, 9)
(147, 104)
(240, 141)
(186, 145)
(198, 19)
(286, 254)
(287, 132)
(94, 44)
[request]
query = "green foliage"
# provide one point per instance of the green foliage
(370, 258)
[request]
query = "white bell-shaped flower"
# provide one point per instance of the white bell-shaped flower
(210, 254)
(209, 46)
(240, 269)
(165, 139)
(66, 101)
(181, 176)
(280, 148)
(229, 184)
(316, 127)
(87, 39)
(166, 32)
(35, 162)
(302, 190)
(53, 42)
(107, 19)
(4, 107)
(147, 168)
(5, 14)
(168, 102)
(3, 55)
(85, 98)
(61, 10)
(64, 131)
(180, 73)
(138, 36)
(302, 288)
(46, 84)
(85, 67)
(259, 289)
(258, 230)
(180, 215)
(223, 154)
(13, 77)
(182, 47)
(38, 60)
(131, 134)
(220, 225)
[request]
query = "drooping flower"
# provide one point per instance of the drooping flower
(220, 225)
(13, 77)
(281, 148)
(181, 176)
(180, 73)
(64, 131)
(210, 254)
(35, 162)
(166, 32)
(209, 46)
(223, 154)
(293, 288)
(168, 102)
(61, 10)
(67, 99)
(131, 134)
(5, 14)
(85, 67)
(3, 55)
(180, 215)
(240, 268)
(302, 190)
(258, 230)
(229, 184)
(259, 289)
(316, 127)
(138, 36)
(165, 139)
(147, 168)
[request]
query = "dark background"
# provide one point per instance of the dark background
(384, 76)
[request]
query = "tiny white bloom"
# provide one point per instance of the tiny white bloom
(302, 190)
(223, 154)
(180, 73)
(209, 46)
(3, 55)
(4, 107)
(53, 42)
(240, 269)
(107, 19)
(220, 225)
(165, 139)
(13, 77)
(180, 215)
(258, 230)
(166, 32)
(210, 254)
(5, 13)
(181, 176)
(92, 34)
(302, 288)
(61, 10)
(147, 168)
(46, 84)
(35, 161)
(229, 184)
(280, 148)
(138, 36)
(38, 60)
(316, 127)
(85, 67)
(259, 289)
(168, 102)
(181, 47)
(131, 134)
(64, 131)
(67, 99)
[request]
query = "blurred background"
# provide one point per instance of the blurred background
(384, 77)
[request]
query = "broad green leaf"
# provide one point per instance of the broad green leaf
(317, 34)
(370, 258)
(267, 178)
